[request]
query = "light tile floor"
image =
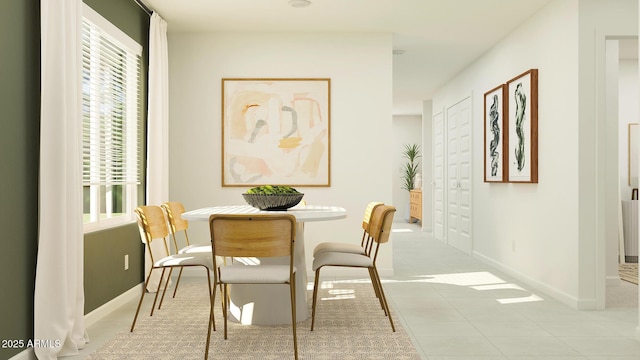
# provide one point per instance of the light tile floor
(457, 308)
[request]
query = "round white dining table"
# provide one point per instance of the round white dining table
(266, 304)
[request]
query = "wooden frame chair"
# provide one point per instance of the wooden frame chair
(153, 226)
(365, 243)
(174, 211)
(380, 229)
(253, 236)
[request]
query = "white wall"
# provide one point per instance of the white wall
(551, 234)
(598, 143)
(407, 129)
(359, 66)
(530, 230)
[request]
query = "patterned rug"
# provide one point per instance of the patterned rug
(351, 327)
(629, 272)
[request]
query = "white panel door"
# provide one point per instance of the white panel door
(438, 177)
(458, 175)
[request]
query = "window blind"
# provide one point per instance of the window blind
(110, 109)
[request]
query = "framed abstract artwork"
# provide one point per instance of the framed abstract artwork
(276, 131)
(522, 124)
(495, 128)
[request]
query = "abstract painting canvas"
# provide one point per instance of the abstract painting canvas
(523, 127)
(275, 131)
(495, 147)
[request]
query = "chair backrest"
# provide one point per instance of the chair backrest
(152, 225)
(380, 227)
(367, 214)
(174, 211)
(252, 235)
(366, 221)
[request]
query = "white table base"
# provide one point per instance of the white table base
(268, 304)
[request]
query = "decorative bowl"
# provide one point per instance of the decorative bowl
(273, 202)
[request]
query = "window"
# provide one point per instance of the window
(111, 115)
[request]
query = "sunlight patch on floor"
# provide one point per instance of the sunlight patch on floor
(479, 280)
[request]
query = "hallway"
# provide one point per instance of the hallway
(456, 307)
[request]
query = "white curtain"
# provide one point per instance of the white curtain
(157, 128)
(59, 292)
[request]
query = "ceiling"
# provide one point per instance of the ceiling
(439, 37)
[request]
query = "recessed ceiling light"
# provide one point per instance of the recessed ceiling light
(398, 52)
(299, 3)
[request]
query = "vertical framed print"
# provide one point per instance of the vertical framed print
(275, 131)
(522, 124)
(495, 128)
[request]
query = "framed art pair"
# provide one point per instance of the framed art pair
(511, 130)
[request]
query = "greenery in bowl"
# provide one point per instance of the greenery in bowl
(272, 189)
(273, 197)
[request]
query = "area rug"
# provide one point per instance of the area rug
(349, 325)
(629, 272)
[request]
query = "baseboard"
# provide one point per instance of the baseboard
(94, 316)
(104, 310)
(27, 354)
(540, 286)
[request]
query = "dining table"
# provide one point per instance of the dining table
(267, 304)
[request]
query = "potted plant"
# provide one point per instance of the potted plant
(410, 168)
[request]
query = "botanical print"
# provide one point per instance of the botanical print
(494, 116)
(275, 131)
(494, 134)
(523, 127)
(521, 106)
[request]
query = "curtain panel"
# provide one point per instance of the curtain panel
(59, 293)
(157, 128)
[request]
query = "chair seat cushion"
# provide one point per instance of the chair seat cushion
(195, 248)
(255, 274)
(338, 247)
(201, 258)
(341, 259)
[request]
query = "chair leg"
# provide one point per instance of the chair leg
(157, 291)
(315, 296)
(165, 287)
(375, 288)
(144, 290)
(292, 290)
(212, 300)
(212, 296)
(224, 308)
(178, 281)
(384, 299)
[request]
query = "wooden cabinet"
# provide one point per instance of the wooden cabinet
(415, 207)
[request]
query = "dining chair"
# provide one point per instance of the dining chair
(260, 236)
(153, 227)
(379, 230)
(177, 225)
(343, 247)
